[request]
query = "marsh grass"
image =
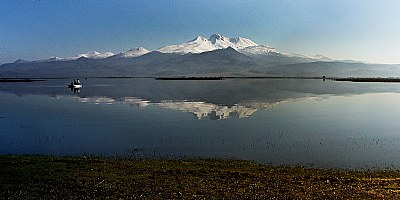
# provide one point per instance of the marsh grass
(47, 177)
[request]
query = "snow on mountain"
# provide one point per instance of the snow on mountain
(258, 50)
(308, 58)
(55, 58)
(201, 44)
(321, 58)
(94, 55)
(90, 54)
(198, 45)
(243, 42)
(135, 52)
(222, 42)
(216, 41)
(213, 111)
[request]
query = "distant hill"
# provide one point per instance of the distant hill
(335, 69)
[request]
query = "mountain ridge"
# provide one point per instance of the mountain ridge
(214, 56)
(199, 44)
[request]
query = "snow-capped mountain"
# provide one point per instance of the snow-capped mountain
(94, 55)
(201, 44)
(243, 45)
(214, 56)
(135, 52)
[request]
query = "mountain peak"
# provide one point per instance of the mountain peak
(94, 54)
(216, 38)
(134, 52)
(20, 61)
(216, 35)
(199, 39)
(201, 44)
(138, 49)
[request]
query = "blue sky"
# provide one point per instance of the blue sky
(341, 29)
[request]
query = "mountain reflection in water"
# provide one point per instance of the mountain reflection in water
(201, 110)
(215, 100)
(215, 112)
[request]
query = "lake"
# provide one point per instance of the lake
(274, 121)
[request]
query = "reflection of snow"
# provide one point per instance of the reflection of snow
(199, 109)
(202, 109)
(96, 100)
(217, 112)
(141, 103)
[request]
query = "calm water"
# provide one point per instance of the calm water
(306, 122)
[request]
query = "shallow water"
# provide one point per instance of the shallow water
(278, 121)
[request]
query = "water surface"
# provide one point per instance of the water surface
(278, 121)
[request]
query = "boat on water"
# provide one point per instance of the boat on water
(75, 84)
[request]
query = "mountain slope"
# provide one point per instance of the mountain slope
(226, 62)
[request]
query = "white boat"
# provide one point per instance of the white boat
(75, 84)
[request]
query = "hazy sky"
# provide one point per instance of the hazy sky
(349, 29)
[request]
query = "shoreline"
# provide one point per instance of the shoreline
(21, 79)
(50, 177)
(205, 78)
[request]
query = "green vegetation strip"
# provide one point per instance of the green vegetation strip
(45, 177)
